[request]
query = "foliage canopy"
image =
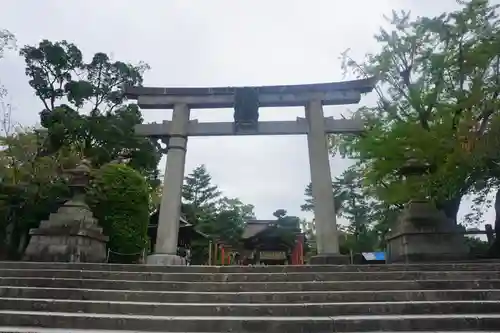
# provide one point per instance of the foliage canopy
(119, 199)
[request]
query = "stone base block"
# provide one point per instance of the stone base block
(426, 247)
(330, 259)
(424, 234)
(166, 260)
(51, 247)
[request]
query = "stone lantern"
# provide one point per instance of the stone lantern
(412, 170)
(72, 233)
(422, 232)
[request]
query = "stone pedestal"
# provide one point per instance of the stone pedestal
(424, 234)
(72, 233)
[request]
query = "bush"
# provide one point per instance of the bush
(118, 197)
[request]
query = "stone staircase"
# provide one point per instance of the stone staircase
(59, 297)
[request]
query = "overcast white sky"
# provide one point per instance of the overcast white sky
(216, 43)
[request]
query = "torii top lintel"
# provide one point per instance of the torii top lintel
(333, 93)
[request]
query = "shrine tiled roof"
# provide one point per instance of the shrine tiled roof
(254, 227)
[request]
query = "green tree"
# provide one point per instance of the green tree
(338, 198)
(240, 213)
(287, 227)
(245, 211)
(198, 190)
(220, 217)
(31, 186)
(200, 199)
(438, 89)
(7, 41)
(84, 105)
(287, 221)
(231, 215)
(119, 199)
(357, 209)
(368, 221)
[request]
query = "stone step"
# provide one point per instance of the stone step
(57, 330)
(461, 322)
(64, 330)
(248, 286)
(254, 277)
(251, 297)
(250, 310)
(489, 266)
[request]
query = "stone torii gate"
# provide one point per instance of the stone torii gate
(246, 102)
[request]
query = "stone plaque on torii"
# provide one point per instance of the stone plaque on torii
(246, 102)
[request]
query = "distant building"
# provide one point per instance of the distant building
(262, 244)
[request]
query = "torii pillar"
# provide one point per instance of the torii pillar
(315, 126)
(170, 206)
(324, 210)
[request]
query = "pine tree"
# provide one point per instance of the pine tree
(198, 190)
(219, 217)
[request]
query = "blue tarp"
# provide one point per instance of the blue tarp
(371, 256)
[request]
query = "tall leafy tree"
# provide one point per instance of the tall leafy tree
(357, 209)
(7, 41)
(488, 172)
(287, 221)
(229, 220)
(84, 105)
(438, 96)
(31, 187)
(246, 211)
(287, 227)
